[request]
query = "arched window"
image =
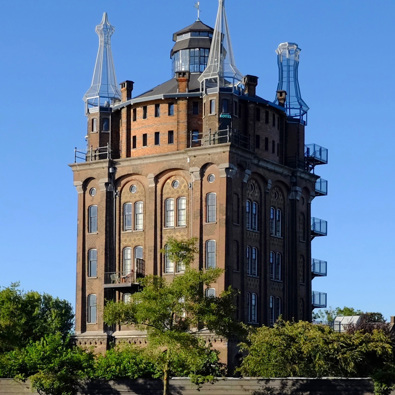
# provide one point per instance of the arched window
(211, 254)
(254, 216)
(169, 213)
(92, 263)
(278, 222)
(127, 216)
(169, 264)
(211, 207)
(92, 219)
(139, 262)
(126, 261)
(254, 261)
(248, 259)
(138, 216)
(248, 214)
(181, 211)
(271, 262)
(91, 309)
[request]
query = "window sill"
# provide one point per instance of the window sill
(253, 275)
(93, 233)
(208, 223)
(276, 281)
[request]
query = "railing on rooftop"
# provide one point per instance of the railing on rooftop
(319, 227)
(221, 136)
(319, 299)
(318, 267)
(321, 187)
(92, 154)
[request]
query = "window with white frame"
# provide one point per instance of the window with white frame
(210, 293)
(211, 207)
(138, 215)
(169, 213)
(252, 307)
(182, 211)
(91, 309)
(126, 297)
(254, 216)
(126, 261)
(169, 264)
(127, 216)
(211, 254)
(92, 219)
(248, 214)
(92, 263)
(275, 221)
(138, 263)
(275, 309)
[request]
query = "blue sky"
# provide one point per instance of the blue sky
(48, 49)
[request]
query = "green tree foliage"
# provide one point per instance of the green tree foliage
(328, 315)
(304, 349)
(52, 364)
(173, 312)
(29, 316)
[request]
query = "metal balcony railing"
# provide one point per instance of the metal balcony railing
(318, 267)
(316, 154)
(92, 154)
(321, 187)
(216, 137)
(125, 278)
(319, 299)
(319, 227)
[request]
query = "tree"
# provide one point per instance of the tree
(30, 316)
(173, 312)
(292, 349)
(329, 315)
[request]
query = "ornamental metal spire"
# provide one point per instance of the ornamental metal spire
(288, 63)
(221, 69)
(104, 88)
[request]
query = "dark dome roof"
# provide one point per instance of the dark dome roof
(197, 26)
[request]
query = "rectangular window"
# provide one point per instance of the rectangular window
(271, 263)
(257, 141)
(92, 219)
(92, 263)
(105, 125)
(254, 261)
(210, 293)
(138, 216)
(134, 114)
(258, 114)
(126, 261)
(248, 214)
(266, 143)
(195, 108)
(94, 125)
(248, 259)
(145, 140)
(170, 109)
(271, 314)
(169, 264)
(212, 106)
(278, 222)
(91, 313)
(134, 141)
(144, 112)
(182, 211)
(252, 307)
(254, 216)
(157, 110)
(272, 221)
(275, 309)
(127, 216)
(157, 138)
(225, 106)
(210, 254)
(273, 146)
(266, 116)
(169, 213)
(170, 137)
(277, 267)
(211, 207)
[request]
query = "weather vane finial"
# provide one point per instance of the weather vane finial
(197, 6)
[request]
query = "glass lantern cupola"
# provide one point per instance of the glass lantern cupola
(192, 47)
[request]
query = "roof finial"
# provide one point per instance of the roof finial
(197, 6)
(104, 88)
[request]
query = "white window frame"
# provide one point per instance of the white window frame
(127, 216)
(182, 211)
(92, 260)
(168, 264)
(169, 213)
(211, 254)
(139, 215)
(92, 219)
(126, 261)
(91, 314)
(211, 207)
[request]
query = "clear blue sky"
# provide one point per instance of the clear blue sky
(346, 74)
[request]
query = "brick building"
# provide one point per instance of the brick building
(203, 156)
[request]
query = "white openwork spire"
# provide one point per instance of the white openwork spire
(221, 70)
(104, 88)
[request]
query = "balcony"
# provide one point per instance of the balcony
(319, 227)
(92, 154)
(318, 268)
(125, 279)
(216, 137)
(315, 155)
(321, 187)
(319, 299)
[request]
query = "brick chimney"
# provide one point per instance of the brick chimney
(126, 90)
(250, 83)
(281, 97)
(183, 81)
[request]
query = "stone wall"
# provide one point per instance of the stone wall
(228, 386)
